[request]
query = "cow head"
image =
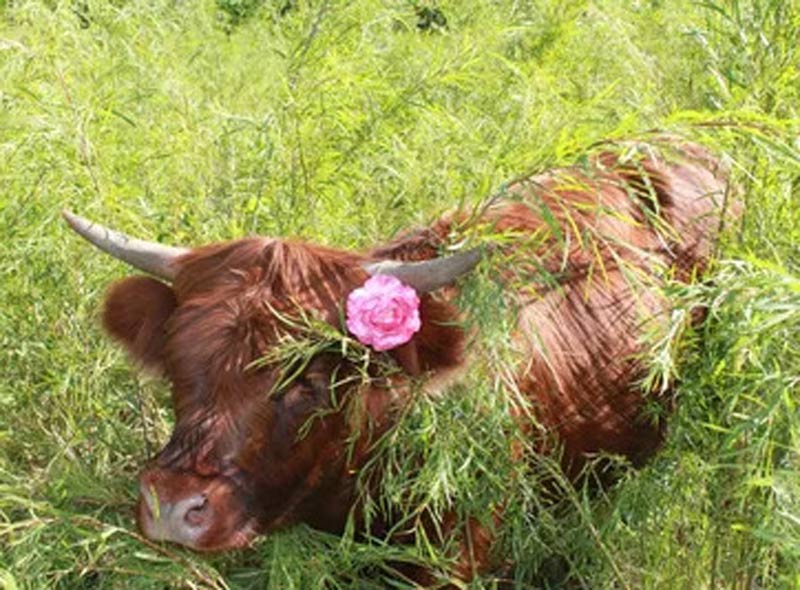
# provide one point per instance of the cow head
(259, 442)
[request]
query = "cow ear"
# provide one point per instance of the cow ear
(135, 314)
(438, 345)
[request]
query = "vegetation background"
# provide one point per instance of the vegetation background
(342, 122)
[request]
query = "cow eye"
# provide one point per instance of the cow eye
(310, 383)
(303, 389)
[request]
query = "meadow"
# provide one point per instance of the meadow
(344, 122)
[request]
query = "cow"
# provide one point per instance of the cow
(259, 446)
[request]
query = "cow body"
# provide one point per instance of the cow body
(585, 252)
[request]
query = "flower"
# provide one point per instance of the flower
(383, 313)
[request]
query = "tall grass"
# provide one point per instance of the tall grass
(343, 122)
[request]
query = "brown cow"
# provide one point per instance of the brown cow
(253, 450)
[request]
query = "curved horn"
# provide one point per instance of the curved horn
(150, 257)
(428, 275)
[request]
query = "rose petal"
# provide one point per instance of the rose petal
(383, 313)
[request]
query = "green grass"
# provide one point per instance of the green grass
(341, 122)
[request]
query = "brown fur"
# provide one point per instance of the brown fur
(579, 235)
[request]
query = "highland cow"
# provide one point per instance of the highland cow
(246, 457)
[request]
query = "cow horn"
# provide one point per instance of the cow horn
(428, 275)
(150, 257)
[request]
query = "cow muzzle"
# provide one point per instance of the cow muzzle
(182, 521)
(204, 514)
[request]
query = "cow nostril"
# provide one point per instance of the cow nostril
(195, 515)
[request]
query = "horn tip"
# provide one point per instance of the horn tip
(72, 220)
(79, 225)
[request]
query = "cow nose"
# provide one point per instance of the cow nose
(196, 511)
(181, 520)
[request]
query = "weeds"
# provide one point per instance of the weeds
(342, 123)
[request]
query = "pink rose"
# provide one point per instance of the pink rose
(383, 313)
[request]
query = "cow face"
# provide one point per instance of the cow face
(250, 448)
(253, 449)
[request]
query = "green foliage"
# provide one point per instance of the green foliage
(235, 12)
(342, 122)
